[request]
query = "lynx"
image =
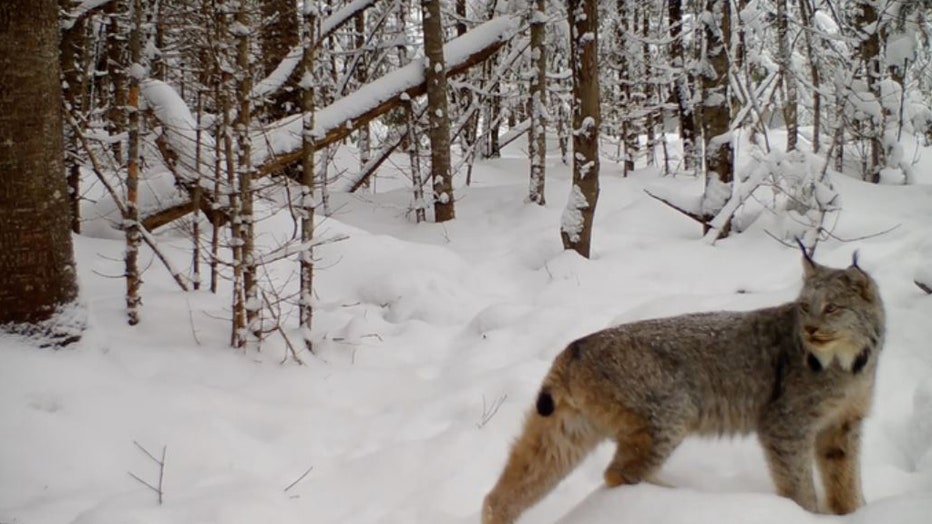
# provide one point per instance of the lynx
(800, 375)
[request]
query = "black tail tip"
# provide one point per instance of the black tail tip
(545, 403)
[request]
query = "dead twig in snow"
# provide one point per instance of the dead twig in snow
(299, 479)
(161, 463)
(489, 410)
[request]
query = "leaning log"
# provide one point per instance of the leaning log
(282, 139)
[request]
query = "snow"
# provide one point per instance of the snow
(431, 341)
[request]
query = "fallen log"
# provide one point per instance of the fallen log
(282, 139)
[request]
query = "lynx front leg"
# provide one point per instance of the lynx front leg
(790, 461)
(838, 457)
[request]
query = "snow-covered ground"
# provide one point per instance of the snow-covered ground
(431, 342)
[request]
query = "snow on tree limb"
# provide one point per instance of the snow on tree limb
(280, 75)
(280, 144)
(80, 10)
(339, 119)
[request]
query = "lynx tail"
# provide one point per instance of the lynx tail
(553, 442)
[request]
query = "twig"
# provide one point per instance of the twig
(690, 214)
(161, 463)
(489, 410)
(865, 237)
(299, 479)
(95, 167)
(278, 328)
(923, 287)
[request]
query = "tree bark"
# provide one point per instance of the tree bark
(36, 256)
(245, 171)
(72, 60)
(681, 91)
(716, 113)
(131, 220)
(805, 10)
(306, 264)
(537, 137)
(787, 76)
(871, 60)
(116, 114)
(438, 112)
(576, 226)
(276, 38)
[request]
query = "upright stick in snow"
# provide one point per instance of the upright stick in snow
(438, 113)
(576, 226)
(131, 220)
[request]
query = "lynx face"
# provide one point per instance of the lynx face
(840, 316)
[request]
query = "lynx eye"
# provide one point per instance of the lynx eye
(831, 308)
(804, 307)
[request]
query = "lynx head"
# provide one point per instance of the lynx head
(841, 316)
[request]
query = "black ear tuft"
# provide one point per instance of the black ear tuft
(545, 405)
(854, 259)
(809, 265)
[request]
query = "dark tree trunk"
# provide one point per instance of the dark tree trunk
(276, 38)
(681, 90)
(537, 135)
(72, 61)
(36, 257)
(716, 113)
(871, 60)
(576, 227)
(438, 112)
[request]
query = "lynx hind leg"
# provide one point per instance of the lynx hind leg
(837, 456)
(640, 451)
(547, 450)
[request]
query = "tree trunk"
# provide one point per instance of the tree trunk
(131, 220)
(245, 171)
(871, 61)
(36, 257)
(537, 136)
(72, 62)
(438, 113)
(681, 91)
(787, 76)
(576, 224)
(277, 36)
(306, 313)
(116, 114)
(716, 114)
(805, 9)
(364, 142)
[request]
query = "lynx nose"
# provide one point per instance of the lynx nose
(810, 329)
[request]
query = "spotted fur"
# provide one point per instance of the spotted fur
(799, 375)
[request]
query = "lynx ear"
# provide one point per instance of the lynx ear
(854, 260)
(809, 265)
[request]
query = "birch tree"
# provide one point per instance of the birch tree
(537, 135)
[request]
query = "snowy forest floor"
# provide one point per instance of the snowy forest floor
(431, 341)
